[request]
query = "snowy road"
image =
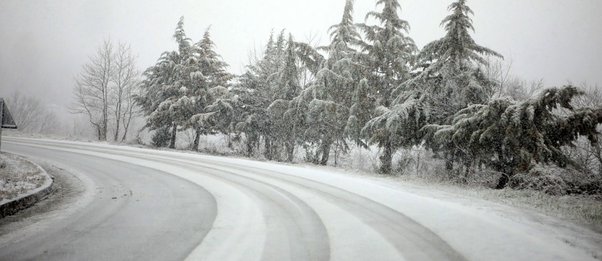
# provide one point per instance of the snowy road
(157, 205)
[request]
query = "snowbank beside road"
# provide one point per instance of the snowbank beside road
(22, 183)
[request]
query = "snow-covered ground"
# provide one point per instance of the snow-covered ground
(362, 216)
(421, 170)
(18, 177)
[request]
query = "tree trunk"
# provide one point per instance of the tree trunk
(268, 148)
(502, 181)
(386, 158)
(197, 138)
(251, 140)
(172, 142)
(336, 153)
(290, 150)
(417, 162)
(117, 119)
(104, 130)
(449, 162)
(325, 152)
(105, 113)
(126, 126)
(99, 132)
(116, 137)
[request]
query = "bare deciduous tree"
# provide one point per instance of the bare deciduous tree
(92, 89)
(104, 89)
(31, 115)
(124, 80)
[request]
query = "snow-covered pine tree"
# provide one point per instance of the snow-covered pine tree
(157, 92)
(360, 112)
(212, 64)
(333, 88)
(451, 75)
(177, 105)
(167, 87)
(286, 112)
(288, 77)
(255, 89)
(212, 80)
(390, 54)
(511, 137)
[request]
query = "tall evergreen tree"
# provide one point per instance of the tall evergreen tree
(213, 77)
(451, 78)
(511, 137)
(212, 64)
(333, 88)
(390, 52)
(286, 112)
(452, 75)
(360, 112)
(256, 90)
(288, 77)
(389, 57)
(162, 87)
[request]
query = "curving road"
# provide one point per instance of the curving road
(158, 205)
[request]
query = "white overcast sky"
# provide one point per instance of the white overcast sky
(43, 43)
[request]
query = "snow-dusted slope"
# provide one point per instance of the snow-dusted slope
(267, 211)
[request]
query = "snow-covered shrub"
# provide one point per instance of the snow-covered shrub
(161, 137)
(557, 181)
(511, 137)
(546, 179)
(406, 163)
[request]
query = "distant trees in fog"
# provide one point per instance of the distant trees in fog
(32, 115)
(105, 88)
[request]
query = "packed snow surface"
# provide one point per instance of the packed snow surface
(281, 212)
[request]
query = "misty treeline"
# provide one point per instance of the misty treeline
(32, 115)
(370, 87)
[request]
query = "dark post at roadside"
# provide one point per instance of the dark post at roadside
(6, 120)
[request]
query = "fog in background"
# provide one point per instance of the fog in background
(44, 43)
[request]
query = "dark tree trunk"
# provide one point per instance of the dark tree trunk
(126, 124)
(507, 172)
(250, 147)
(290, 150)
(172, 141)
(449, 162)
(325, 152)
(251, 143)
(99, 133)
(502, 181)
(386, 159)
(268, 148)
(197, 138)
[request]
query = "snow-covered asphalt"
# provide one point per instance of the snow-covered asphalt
(143, 204)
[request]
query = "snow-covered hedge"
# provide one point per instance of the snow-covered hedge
(557, 181)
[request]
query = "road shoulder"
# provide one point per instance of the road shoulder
(67, 190)
(23, 183)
